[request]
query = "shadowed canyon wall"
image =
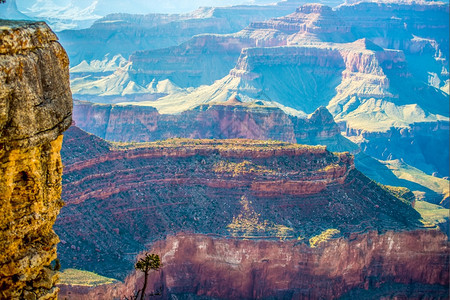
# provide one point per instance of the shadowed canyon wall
(35, 108)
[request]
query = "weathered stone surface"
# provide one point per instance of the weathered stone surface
(35, 108)
(126, 33)
(35, 97)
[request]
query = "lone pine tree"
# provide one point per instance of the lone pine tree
(146, 264)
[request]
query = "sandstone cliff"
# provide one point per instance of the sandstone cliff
(35, 108)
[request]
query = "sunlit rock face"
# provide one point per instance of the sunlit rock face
(35, 108)
(375, 81)
(398, 61)
(388, 26)
(379, 68)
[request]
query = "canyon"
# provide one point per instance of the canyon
(377, 82)
(415, 146)
(216, 210)
(125, 196)
(35, 109)
(125, 34)
(188, 63)
(230, 178)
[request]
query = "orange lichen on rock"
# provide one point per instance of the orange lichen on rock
(30, 200)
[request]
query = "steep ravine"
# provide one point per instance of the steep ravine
(35, 108)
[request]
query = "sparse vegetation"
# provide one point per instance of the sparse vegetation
(222, 145)
(248, 225)
(83, 278)
(241, 168)
(409, 173)
(328, 168)
(402, 193)
(432, 214)
(323, 237)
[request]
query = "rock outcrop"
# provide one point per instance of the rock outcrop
(231, 119)
(123, 196)
(394, 265)
(35, 108)
(377, 71)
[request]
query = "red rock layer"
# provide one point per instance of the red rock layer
(145, 124)
(371, 264)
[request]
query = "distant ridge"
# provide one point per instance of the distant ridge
(9, 11)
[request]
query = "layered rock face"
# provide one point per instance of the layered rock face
(424, 20)
(232, 119)
(125, 196)
(124, 33)
(35, 108)
(366, 88)
(188, 64)
(196, 33)
(315, 19)
(407, 265)
(181, 64)
(362, 85)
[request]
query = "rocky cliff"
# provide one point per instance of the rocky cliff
(124, 196)
(231, 119)
(35, 108)
(378, 81)
(405, 265)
